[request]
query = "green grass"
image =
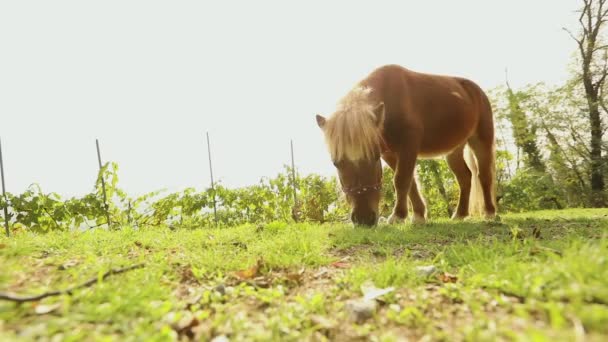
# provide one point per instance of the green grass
(534, 276)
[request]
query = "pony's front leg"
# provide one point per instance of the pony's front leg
(404, 175)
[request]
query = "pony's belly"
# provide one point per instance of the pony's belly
(447, 135)
(434, 154)
(438, 150)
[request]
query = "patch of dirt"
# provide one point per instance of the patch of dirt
(35, 274)
(138, 249)
(442, 307)
(352, 251)
(415, 251)
(319, 280)
(186, 275)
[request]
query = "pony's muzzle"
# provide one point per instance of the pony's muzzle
(369, 218)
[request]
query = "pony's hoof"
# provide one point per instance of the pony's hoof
(394, 219)
(417, 219)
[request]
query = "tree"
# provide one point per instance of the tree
(594, 69)
(524, 131)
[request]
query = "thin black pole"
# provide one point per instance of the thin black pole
(293, 175)
(212, 183)
(8, 233)
(103, 185)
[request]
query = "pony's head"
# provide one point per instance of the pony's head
(354, 138)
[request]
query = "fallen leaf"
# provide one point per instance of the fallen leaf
(341, 263)
(251, 272)
(370, 291)
(295, 277)
(248, 273)
(447, 277)
(42, 309)
(2, 245)
(68, 264)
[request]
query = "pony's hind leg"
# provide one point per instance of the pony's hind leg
(462, 172)
(485, 154)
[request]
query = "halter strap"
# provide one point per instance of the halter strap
(358, 190)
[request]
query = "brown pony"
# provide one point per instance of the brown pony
(400, 115)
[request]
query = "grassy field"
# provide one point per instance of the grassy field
(534, 276)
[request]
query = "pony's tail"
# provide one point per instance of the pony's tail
(476, 202)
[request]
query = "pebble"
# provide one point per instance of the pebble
(361, 310)
(426, 270)
(220, 338)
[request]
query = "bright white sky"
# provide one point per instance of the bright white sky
(148, 78)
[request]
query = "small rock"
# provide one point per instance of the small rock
(220, 338)
(395, 307)
(322, 322)
(42, 309)
(33, 332)
(186, 321)
(221, 289)
(426, 270)
(58, 338)
(361, 309)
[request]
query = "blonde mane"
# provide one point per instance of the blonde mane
(352, 132)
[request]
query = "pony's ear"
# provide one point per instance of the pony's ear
(320, 121)
(379, 112)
